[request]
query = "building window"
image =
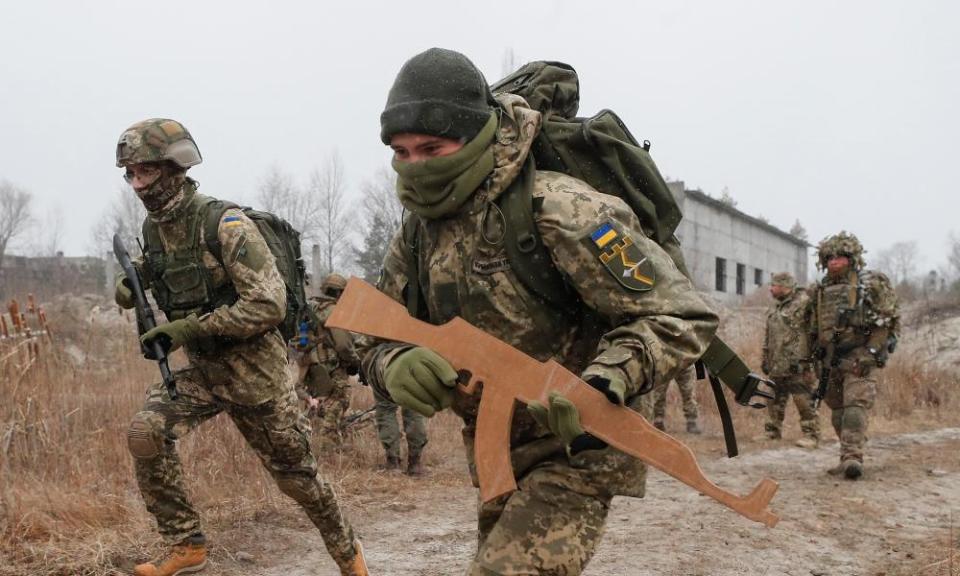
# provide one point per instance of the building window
(758, 277)
(721, 275)
(741, 278)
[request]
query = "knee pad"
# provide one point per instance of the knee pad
(143, 439)
(854, 418)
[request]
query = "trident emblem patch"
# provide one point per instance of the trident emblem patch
(622, 258)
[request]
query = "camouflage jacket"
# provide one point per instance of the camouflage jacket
(240, 351)
(641, 332)
(786, 345)
(860, 311)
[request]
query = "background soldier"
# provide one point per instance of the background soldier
(224, 311)
(855, 321)
(686, 383)
(326, 359)
(786, 359)
(456, 150)
(388, 430)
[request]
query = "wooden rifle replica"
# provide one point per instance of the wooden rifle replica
(507, 375)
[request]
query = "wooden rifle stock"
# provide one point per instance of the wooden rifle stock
(508, 375)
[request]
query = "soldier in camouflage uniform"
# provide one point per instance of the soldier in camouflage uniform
(224, 311)
(686, 383)
(787, 361)
(854, 325)
(456, 148)
(326, 359)
(388, 431)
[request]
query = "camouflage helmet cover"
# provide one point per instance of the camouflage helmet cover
(783, 279)
(333, 281)
(842, 244)
(156, 140)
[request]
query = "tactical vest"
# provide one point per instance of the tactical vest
(841, 313)
(180, 282)
(787, 337)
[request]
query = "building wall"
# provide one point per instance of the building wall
(710, 231)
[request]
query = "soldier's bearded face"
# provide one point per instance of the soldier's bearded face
(838, 265)
(420, 147)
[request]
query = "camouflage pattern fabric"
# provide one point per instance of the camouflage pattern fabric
(841, 244)
(276, 430)
(799, 386)
(643, 336)
(322, 374)
(867, 303)
(388, 429)
(238, 366)
(686, 383)
(786, 343)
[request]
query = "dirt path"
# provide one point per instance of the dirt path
(895, 521)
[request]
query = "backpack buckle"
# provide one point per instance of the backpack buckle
(526, 242)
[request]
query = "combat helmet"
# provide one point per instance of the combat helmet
(333, 285)
(842, 244)
(156, 140)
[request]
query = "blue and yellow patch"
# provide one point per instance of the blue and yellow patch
(622, 258)
(231, 221)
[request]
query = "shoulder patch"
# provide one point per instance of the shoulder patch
(622, 257)
(230, 221)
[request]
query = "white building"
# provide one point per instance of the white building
(730, 254)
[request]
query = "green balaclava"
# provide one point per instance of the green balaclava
(439, 186)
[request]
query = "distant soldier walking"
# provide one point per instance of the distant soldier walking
(213, 275)
(326, 359)
(787, 361)
(855, 321)
(388, 431)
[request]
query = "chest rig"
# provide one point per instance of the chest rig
(180, 282)
(841, 313)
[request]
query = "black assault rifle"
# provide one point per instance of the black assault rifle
(829, 359)
(145, 318)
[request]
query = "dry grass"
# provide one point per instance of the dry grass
(69, 503)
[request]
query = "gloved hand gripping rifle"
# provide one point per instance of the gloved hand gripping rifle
(507, 375)
(145, 317)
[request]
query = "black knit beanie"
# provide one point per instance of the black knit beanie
(440, 93)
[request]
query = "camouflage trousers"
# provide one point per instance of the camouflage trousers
(850, 397)
(549, 527)
(388, 430)
(798, 386)
(686, 383)
(332, 408)
(276, 430)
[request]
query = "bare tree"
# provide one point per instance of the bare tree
(899, 261)
(15, 216)
(798, 231)
(333, 218)
(48, 233)
(124, 216)
(381, 214)
(301, 207)
(953, 252)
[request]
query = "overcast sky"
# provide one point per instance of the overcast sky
(841, 114)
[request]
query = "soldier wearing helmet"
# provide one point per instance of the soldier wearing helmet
(854, 324)
(786, 359)
(326, 358)
(214, 277)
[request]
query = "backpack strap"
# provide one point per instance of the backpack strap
(413, 293)
(529, 257)
(211, 214)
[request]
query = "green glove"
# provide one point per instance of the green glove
(173, 335)
(421, 380)
(122, 295)
(561, 417)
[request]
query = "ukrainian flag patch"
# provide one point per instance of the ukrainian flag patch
(230, 221)
(622, 258)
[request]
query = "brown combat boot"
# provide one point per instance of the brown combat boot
(808, 442)
(184, 558)
(393, 463)
(414, 467)
(358, 565)
(852, 469)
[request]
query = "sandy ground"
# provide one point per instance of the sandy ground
(895, 521)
